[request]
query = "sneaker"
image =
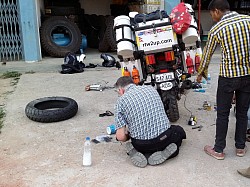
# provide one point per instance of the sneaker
(137, 158)
(210, 151)
(161, 156)
(241, 152)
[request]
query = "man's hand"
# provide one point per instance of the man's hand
(199, 78)
(122, 134)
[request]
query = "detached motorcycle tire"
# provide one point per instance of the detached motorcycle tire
(51, 109)
(60, 25)
(171, 105)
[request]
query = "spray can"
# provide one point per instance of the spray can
(111, 129)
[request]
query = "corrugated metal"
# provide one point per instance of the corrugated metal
(10, 36)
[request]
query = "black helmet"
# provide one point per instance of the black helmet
(109, 60)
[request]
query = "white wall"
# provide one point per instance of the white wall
(99, 7)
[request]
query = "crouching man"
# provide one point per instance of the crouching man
(140, 116)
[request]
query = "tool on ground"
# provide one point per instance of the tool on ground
(107, 113)
(192, 120)
(96, 87)
(198, 127)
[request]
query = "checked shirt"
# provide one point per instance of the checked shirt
(140, 108)
(232, 33)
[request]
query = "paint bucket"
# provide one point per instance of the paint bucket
(190, 36)
(111, 129)
(124, 36)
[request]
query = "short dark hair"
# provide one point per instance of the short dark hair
(222, 5)
(124, 81)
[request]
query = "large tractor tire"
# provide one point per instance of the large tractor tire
(171, 105)
(111, 34)
(60, 25)
(51, 109)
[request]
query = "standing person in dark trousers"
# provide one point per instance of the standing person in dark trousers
(140, 116)
(232, 33)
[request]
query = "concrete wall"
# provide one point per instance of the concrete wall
(206, 21)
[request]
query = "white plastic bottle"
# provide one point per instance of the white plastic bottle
(208, 79)
(204, 84)
(86, 160)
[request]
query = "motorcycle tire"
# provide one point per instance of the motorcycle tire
(60, 25)
(51, 109)
(171, 105)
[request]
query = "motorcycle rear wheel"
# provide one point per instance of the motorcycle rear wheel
(171, 105)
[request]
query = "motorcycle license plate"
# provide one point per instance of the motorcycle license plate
(166, 85)
(164, 77)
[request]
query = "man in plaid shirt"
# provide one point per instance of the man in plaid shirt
(140, 115)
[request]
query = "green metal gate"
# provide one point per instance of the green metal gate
(10, 34)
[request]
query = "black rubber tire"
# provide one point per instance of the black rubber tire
(111, 33)
(51, 109)
(171, 105)
(63, 25)
(103, 44)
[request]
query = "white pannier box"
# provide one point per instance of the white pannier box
(155, 36)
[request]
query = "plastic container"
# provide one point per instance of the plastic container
(126, 73)
(124, 36)
(204, 84)
(111, 129)
(87, 160)
(135, 75)
(190, 36)
(208, 79)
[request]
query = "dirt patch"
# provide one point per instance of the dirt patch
(6, 89)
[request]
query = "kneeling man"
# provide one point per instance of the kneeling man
(140, 116)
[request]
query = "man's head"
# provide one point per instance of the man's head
(217, 9)
(121, 84)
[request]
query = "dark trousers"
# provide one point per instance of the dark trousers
(174, 134)
(226, 88)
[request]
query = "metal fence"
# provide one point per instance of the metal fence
(10, 35)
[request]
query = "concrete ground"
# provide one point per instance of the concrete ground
(50, 154)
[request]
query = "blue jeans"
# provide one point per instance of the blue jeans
(225, 91)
